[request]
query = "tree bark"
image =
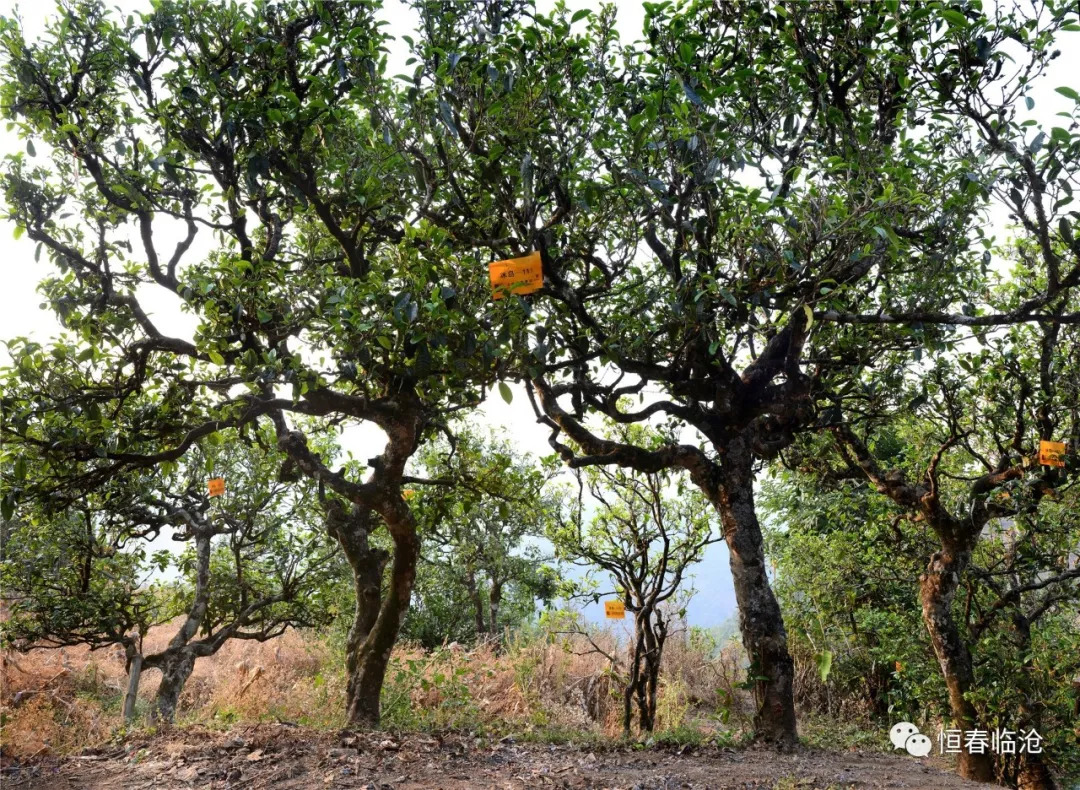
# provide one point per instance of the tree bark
(178, 659)
(633, 674)
(494, 599)
(650, 646)
(352, 529)
(760, 621)
(1035, 775)
(478, 605)
(135, 662)
(937, 587)
(176, 668)
(367, 674)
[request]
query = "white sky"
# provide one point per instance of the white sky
(20, 314)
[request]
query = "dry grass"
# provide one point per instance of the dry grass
(54, 701)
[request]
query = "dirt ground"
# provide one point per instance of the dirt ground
(290, 758)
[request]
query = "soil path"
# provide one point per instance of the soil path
(289, 758)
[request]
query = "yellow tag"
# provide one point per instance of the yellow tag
(517, 275)
(614, 610)
(408, 493)
(216, 486)
(1051, 453)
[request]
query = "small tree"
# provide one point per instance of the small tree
(251, 564)
(844, 564)
(953, 443)
(481, 524)
(643, 538)
(854, 570)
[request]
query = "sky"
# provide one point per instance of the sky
(714, 601)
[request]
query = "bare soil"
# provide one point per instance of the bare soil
(288, 758)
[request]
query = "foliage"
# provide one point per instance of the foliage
(314, 286)
(748, 207)
(952, 456)
(845, 574)
(756, 222)
(481, 566)
(248, 564)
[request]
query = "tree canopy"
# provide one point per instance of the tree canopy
(100, 571)
(736, 214)
(753, 224)
(212, 157)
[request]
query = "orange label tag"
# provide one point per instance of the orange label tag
(1051, 453)
(517, 275)
(408, 493)
(216, 486)
(614, 610)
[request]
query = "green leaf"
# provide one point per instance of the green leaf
(1068, 92)
(385, 342)
(216, 358)
(30, 148)
(824, 664)
(809, 316)
(954, 18)
(578, 15)
(505, 391)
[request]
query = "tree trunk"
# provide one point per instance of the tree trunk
(494, 599)
(648, 672)
(633, 673)
(351, 526)
(656, 655)
(175, 670)
(178, 660)
(628, 707)
(478, 605)
(1034, 774)
(760, 621)
(937, 587)
(135, 662)
(367, 673)
(367, 585)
